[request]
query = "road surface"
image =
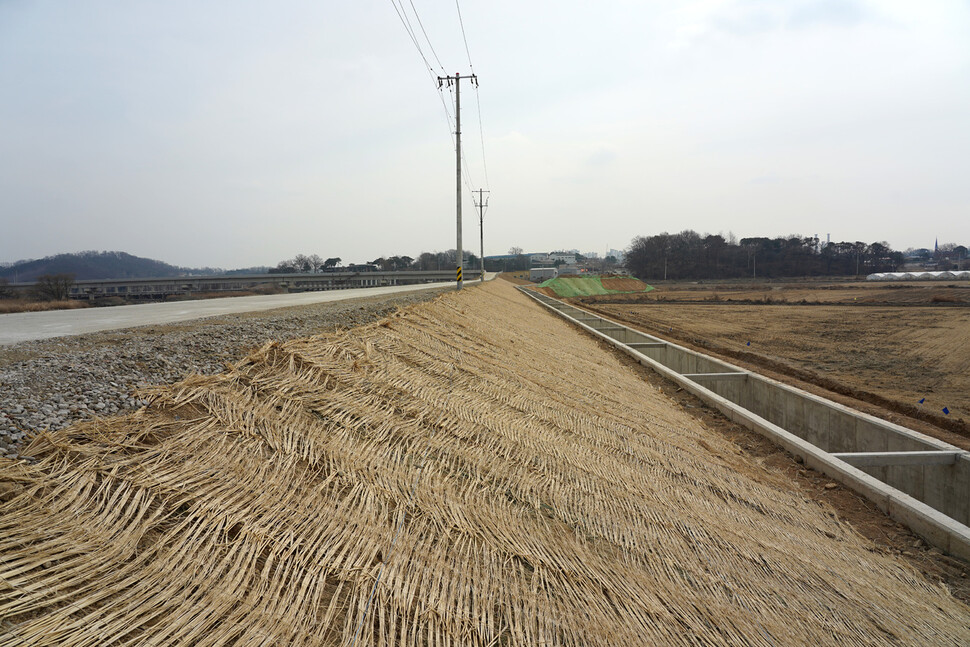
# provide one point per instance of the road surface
(29, 326)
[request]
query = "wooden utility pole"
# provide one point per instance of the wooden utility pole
(481, 229)
(455, 80)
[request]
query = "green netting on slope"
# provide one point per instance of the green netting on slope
(582, 286)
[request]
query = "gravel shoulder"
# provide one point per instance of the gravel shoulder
(51, 384)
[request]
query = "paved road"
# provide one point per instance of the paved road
(29, 326)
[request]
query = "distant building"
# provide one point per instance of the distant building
(569, 258)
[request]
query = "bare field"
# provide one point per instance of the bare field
(891, 356)
(815, 292)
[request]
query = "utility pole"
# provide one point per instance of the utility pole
(481, 229)
(455, 80)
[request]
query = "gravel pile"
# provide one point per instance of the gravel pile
(54, 383)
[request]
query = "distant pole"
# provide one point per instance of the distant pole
(481, 230)
(455, 80)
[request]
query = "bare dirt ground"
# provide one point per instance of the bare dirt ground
(516, 278)
(878, 348)
(814, 292)
(625, 284)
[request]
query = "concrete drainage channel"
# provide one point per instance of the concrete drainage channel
(919, 481)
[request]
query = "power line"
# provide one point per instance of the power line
(478, 103)
(451, 120)
(481, 133)
(406, 23)
(466, 173)
(462, 23)
(420, 24)
(410, 30)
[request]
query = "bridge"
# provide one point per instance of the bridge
(155, 288)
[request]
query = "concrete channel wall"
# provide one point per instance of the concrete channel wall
(920, 481)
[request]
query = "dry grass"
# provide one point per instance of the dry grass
(517, 278)
(492, 476)
(8, 306)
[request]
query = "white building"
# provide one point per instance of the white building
(540, 274)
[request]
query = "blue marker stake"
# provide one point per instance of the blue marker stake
(749, 343)
(922, 400)
(946, 411)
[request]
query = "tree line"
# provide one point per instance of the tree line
(690, 255)
(48, 287)
(425, 261)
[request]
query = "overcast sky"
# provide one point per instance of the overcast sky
(234, 133)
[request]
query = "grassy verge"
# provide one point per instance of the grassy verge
(24, 305)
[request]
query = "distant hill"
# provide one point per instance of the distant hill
(98, 265)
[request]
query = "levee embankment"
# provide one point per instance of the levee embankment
(470, 471)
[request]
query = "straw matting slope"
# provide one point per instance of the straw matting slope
(470, 472)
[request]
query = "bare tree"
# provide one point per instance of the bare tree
(54, 287)
(427, 261)
(302, 263)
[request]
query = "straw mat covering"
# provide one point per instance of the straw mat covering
(471, 471)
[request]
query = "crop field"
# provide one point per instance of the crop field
(470, 471)
(904, 348)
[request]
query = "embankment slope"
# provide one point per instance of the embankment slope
(471, 471)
